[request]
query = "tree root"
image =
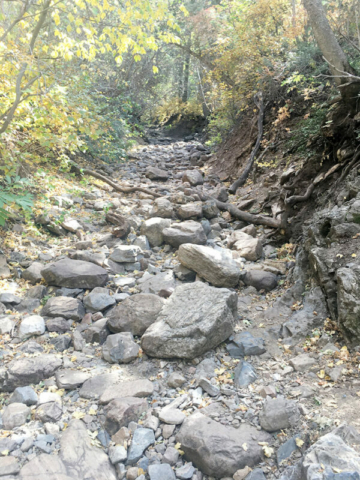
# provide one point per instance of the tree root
(85, 171)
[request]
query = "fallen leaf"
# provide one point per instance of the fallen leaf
(268, 451)
(299, 442)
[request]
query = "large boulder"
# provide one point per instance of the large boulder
(135, 314)
(215, 266)
(185, 232)
(25, 371)
(64, 307)
(74, 274)
(217, 450)
(248, 247)
(153, 229)
(195, 319)
(348, 299)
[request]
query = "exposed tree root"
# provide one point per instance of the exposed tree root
(260, 104)
(115, 186)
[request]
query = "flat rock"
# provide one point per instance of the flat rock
(71, 379)
(172, 416)
(98, 300)
(155, 283)
(142, 439)
(135, 314)
(161, 472)
(195, 319)
(74, 274)
(246, 344)
(185, 232)
(131, 388)
(155, 173)
(190, 210)
(303, 362)
(9, 466)
(25, 371)
(95, 386)
(218, 450)
(126, 254)
(214, 266)
(121, 411)
(64, 307)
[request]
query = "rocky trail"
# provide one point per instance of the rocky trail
(156, 337)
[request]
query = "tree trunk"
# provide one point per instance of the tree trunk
(185, 95)
(327, 41)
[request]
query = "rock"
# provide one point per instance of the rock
(184, 274)
(126, 254)
(195, 319)
(70, 379)
(185, 232)
(95, 386)
(78, 341)
(176, 380)
(6, 325)
(65, 307)
(161, 472)
(61, 343)
(153, 229)
(285, 450)
(142, 439)
(33, 273)
(121, 411)
(120, 348)
(25, 395)
(162, 208)
(279, 413)
(9, 466)
(303, 362)
(135, 314)
(97, 332)
(15, 415)
(10, 298)
(155, 283)
(242, 473)
(74, 274)
(261, 280)
(214, 266)
(98, 300)
(25, 371)
(117, 454)
(210, 210)
(245, 344)
(248, 247)
(244, 374)
(4, 269)
(49, 412)
(348, 292)
(172, 416)
(194, 177)
(218, 450)
(208, 387)
(39, 292)
(190, 210)
(31, 326)
(71, 225)
(122, 226)
(155, 173)
(132, 388)
(256, 474)
(171, 456)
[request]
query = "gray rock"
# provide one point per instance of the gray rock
(71, 379)
(58, 325)
(33, 273)
(256, 474)
(244, 374)
(126, 254)
(98, 300)
(172, 416)
(39, 292)
(246, 344)
(303, 362)
(61, 343)
(162, 208)
(132, 388)
(155, 283)
(185, 232)
(9, 466)
(65, 307)
(24, 371)
(195, 319)
(185, 472)
(15, 415)
(4, 269)
(31, 326)
(348, 294)
(208, 387)
(210, 210)
(6, 325)
(214, 266)
(49, 412)
(248, 247)
(25, 395)
(184, 274)
(135, 314)
(261, 280)
(155, 173)
(171, 456)
(190, 210)
(142, 439)
(78, 341)
(97, 332)
(279, 413)
(194, 177)
(9, 298)
(153, 229)
(95, 386)
(161, 472)
(74, 274)
(286, 449)
(117, 454)
(218, 450)
(176, 380)
(120, 348)
(121, 411)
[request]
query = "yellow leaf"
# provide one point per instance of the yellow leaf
(244, 446)
(299, 442)
(92, 411)
(73, 358)
(78, 415)
(268, 451)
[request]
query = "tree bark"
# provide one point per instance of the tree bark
(327, 41)
(185, 95)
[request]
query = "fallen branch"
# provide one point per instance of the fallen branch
(85, 171)
(260, 104)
